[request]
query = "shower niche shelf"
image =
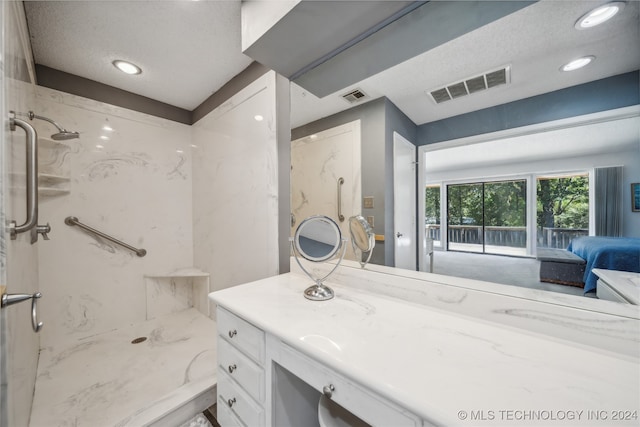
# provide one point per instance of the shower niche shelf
(49, 143)
(53, 176)
(177, 290)
(52, 185)
(48, 184)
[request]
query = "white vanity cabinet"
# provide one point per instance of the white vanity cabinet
(352, 399)
(241, 360)
(247, 357)
(364, 358)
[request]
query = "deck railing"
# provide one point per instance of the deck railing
(506, 236)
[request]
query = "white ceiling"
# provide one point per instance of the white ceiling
(535, 41)
(186, 49)
(189, 49)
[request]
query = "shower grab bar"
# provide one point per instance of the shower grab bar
(10, 299)
(340, 182)
(32, 178)
(72, 220)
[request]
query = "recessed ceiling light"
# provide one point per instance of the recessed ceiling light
(599, 15)
(578, 63)
(258, 118)
(126, 67)
(107, 128)
(104, 137)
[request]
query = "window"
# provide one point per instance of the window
(432, 213)
(488, 217)
(562, 209)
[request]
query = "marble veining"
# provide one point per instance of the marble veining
(130, 177)
(113, 163)
(435, 362)
(104, 379)
(178, 171)
(317, 163)
(76, 312)
(235, 187)
(603, 325)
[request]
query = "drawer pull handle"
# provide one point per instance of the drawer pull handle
(231, 401)
(328, 390)
(232, 368)
(233, 333)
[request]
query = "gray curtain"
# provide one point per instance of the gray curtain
(608, 201)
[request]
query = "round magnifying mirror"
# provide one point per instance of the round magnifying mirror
(318, 238)
(362, 238)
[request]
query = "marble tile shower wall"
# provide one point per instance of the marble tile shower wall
(235, 187)
(130, 177)
(21, 257)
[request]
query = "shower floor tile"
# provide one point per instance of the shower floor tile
(105, 380)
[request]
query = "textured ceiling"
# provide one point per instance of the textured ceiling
(535, 41)
(189, 49)
(186, 49)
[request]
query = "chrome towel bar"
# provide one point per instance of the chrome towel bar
(72, 220)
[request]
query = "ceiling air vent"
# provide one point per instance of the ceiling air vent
(355, 95)
(471, 85)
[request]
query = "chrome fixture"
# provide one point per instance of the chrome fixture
(32, 178)
(317, 239)
(363, 239)
(62, 134)
(72, 220)
(40, 229)
(328, 390)
(10, 299)
(340, 183)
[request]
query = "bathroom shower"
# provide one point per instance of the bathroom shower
(62, 135)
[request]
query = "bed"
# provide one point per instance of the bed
(610, 253)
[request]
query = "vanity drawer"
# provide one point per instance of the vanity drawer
(225, 417)
(368, 406)
(239, 402)
(241, 334)
(239, 367)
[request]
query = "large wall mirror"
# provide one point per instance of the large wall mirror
(490, 112)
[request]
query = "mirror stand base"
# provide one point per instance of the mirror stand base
(318, 292)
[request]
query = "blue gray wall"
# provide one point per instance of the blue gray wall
(607, 94)
(378, 120)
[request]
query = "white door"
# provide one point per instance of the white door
(404, 202)
(325, 177)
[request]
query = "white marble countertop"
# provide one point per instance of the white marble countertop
(625, 283)
(439, 364)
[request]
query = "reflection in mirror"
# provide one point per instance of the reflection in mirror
(317, 239)
(558, 110)
(362, 239)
